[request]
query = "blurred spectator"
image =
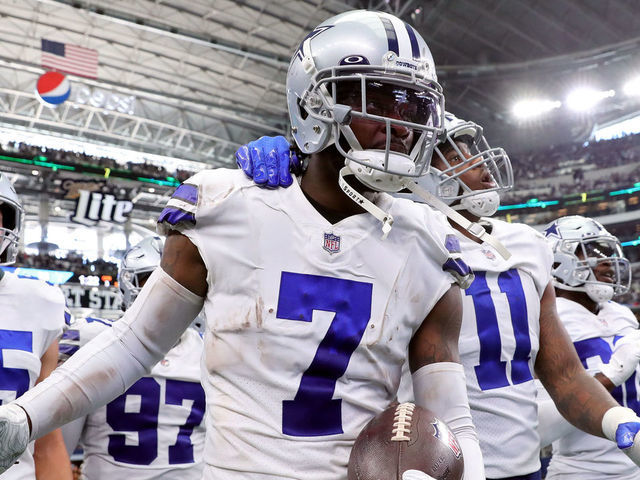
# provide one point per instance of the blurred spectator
(72, 263)
(145, 169)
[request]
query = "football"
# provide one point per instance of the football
(406, 442)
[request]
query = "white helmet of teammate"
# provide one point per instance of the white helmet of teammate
(579, 246)
(333, 77)
(12, 216)
(137, 264)
(447, 183)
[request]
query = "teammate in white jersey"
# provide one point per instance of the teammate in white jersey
(155, 430)
(32, 316)
(509, 327)
(589, 270)
(303, 348)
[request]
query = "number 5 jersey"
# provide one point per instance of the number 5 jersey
(32, 316)
(308, 323)
(154, 431)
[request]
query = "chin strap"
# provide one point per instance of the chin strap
(384, 217)
(473, 228)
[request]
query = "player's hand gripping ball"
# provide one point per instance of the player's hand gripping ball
(406, 442)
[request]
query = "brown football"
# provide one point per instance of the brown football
(405, 442)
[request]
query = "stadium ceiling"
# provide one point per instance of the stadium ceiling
(209, 75)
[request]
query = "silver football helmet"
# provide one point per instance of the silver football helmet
(339, 72)
(12, 217)
(447, 184)
(137, 264)
(580, 247)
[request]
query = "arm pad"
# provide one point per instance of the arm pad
(115, 359)
(442, 388)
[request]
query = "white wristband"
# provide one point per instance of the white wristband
(115, 359)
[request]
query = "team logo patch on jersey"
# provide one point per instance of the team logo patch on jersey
(442, 433)
(452, 244)
(164, 362)
(331, 243)
(489, 254)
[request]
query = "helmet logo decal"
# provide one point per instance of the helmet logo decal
(331, 243)
(552, 231)
(314, 33)
(354, 60)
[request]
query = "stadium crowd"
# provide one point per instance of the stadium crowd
(145, 169)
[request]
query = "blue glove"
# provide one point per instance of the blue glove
(626, 433)
(268, 161)
(622, 426)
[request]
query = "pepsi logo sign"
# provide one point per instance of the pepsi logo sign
(53, 88)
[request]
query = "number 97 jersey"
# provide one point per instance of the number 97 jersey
(155, 429)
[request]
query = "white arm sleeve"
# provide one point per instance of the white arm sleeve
(442, 388)
(71, 433)
(115, 359)
(551, 424)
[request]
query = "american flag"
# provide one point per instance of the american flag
(69, 58)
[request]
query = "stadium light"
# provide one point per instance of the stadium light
(534, 107)
(632, 87)
(583, 99)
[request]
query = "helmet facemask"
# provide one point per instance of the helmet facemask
(579, 263)
(397, 98)
(465, 149)
(10, 231)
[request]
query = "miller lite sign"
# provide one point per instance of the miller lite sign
(93, 207)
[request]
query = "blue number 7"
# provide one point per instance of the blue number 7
(14, 379)
(313, 411)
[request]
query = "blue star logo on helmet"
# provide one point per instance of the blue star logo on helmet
(552, 231)
(314, 33)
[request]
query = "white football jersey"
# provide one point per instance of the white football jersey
(580, 455)
(32, 317)
(503, 302)
(155, 430)
(308, 323)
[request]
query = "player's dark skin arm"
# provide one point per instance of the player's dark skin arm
(437, 338)
(182, 261)
(579, 397)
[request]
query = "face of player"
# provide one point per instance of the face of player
(604, 270)
(477, 178)
(390, 101)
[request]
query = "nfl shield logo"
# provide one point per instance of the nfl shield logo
(489, 254)
(331, 243)
(442, 433)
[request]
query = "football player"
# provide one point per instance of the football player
(302, 347)
(589, 269)
(32, 317)
(510, 327)
(155, 429)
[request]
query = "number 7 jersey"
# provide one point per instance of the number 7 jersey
(308, 323)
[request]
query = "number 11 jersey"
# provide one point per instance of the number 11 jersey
(499, 341)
